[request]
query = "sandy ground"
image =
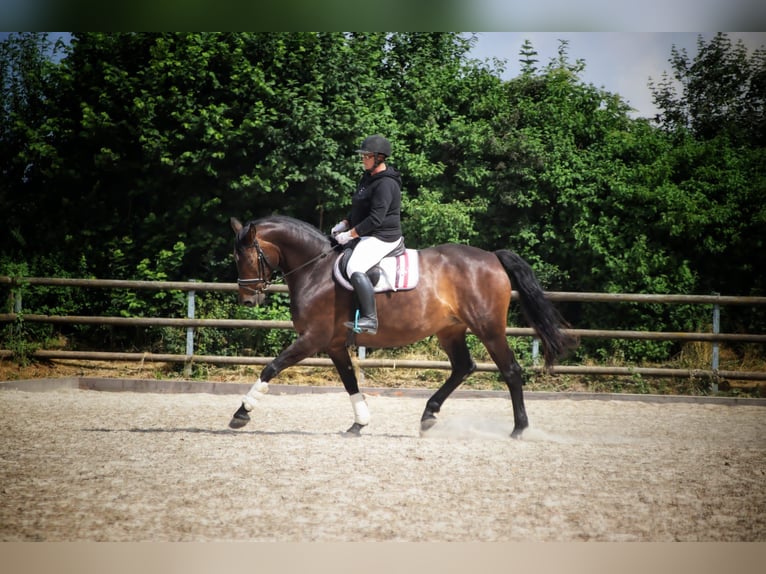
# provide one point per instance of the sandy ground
(81, 465)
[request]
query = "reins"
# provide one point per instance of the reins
(309, 262)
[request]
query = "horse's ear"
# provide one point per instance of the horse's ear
(235, 225)
(250, 234)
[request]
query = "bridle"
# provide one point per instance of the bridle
(263, 278)
(261, 283)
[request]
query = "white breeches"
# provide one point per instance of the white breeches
(368, 252)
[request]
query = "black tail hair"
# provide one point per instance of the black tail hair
(537, 309)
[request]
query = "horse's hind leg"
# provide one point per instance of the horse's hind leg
(454, 344)
(510, 369)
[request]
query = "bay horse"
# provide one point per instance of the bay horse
(460, 288)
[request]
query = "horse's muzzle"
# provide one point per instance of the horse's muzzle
(251, 299)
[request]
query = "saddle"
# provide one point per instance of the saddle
(397, 271)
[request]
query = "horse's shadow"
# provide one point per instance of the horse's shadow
(202, 431)
(229, 432)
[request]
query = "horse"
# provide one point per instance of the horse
(460, 287)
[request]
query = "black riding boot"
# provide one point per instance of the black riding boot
(368, 316)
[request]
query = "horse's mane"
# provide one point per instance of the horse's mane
(304, 231)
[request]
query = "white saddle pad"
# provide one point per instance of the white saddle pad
(398, 273)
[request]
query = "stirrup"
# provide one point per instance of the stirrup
(354, 326)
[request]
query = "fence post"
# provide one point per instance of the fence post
(361, 353)
(17, 309)
(535, 350)
(716, 331)
(189, 334)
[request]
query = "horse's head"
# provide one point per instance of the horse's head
(256, 262)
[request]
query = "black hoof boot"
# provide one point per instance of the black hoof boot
(354, 430)
(240, 418)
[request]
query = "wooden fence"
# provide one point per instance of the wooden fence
(190, 323)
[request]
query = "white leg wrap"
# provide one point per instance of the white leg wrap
(256, 392)
(361, 412)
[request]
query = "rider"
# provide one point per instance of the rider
(375, 218)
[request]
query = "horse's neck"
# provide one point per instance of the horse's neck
(299, 259)
(312, 273)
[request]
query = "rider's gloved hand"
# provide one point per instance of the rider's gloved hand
(343, 237)
(342, 226)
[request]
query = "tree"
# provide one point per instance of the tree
(528, 58)
(712, 200)
(127, 157)
(572, 192)
(723, 90)
(26, 72)
(442, 103)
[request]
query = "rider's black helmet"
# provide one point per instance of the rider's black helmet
(375, 144)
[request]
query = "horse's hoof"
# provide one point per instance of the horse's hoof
(354, 430)
(517, 432)
(427, 423)
(240, 418)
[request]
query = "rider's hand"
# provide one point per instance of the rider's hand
(343, 237)
(342, 226)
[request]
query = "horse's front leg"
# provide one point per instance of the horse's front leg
(304, 346)
(342, 361)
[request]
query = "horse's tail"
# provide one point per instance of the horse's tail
(536, 308)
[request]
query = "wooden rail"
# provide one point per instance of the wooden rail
(190, 323)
